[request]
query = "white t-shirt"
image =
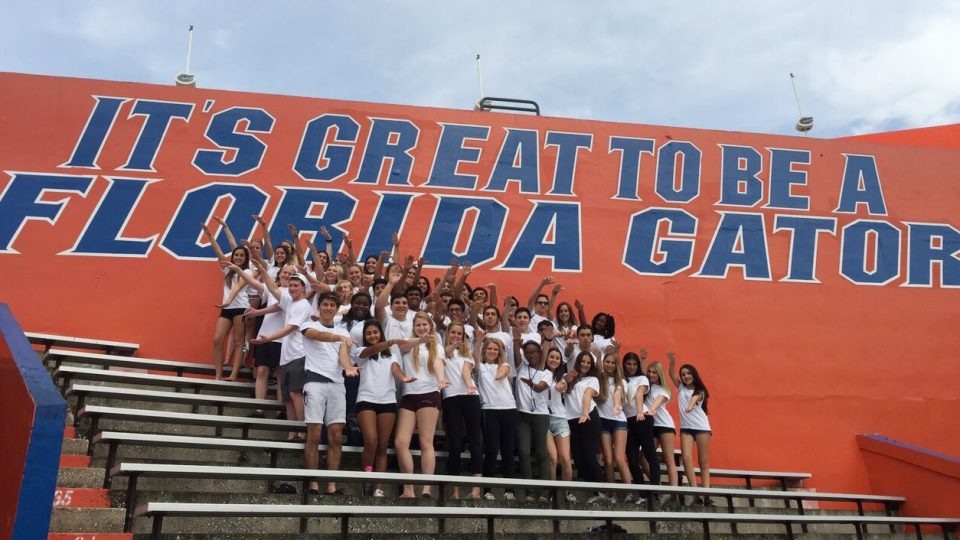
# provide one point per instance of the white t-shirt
(695, 419)
(529, 400)
(295, 313)
(242, 299)
(495, 394)
(574, 401)
(530, 336)
(356, 333)
(633, 386)
(453, 368)
(426, 382)
(606, 408)
(535, 321)
(555, 399)
(272, 322)
(394, 329)
(662, 417)
(376, 378)
(601, 343)
(323, 357)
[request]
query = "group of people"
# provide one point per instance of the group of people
(540, 380)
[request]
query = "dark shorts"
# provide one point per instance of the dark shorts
(292, 378)
(267, 354)
(415, 402)
(660, 430)
(694, 432)
(231, 313)
(609, 426)
(379, 408)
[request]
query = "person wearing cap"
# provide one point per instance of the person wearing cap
(297, 310)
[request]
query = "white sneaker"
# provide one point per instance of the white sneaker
(641, 501)
(598, 498)
(530, 499)
(628, 498)
(378, 493)
(612, 499)
(489, 496)
(543, 500)
(508, 496)
(570, 498)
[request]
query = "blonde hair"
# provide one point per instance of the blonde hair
(605, 385)
(432, 353)
(464, 347)
(658, 367)
(501, 358)
(336, 267)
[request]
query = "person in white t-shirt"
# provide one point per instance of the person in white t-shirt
(379, 362)
(692, 397)
(582, 343)
(663, 427)
(533, 413)
(296, 311)
(233, 304)
(584, 420)
(461, 406)
(398, 321)
(423, 379)
(613, 423)
(558, 438)
(639, 424)
(326, 347)
(499, 410)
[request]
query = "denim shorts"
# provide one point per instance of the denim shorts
(559, 427)
(608, 425)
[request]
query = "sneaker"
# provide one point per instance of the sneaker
(628, 498)
(489, 496)
(543, 500)
(570, 498)
(509, 496)
(641, 501)
(612, 499)
(530, 499)
(598, 498)
(378, 493)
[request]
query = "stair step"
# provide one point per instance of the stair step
(91, 520)
(80, 478)
(74, 461)
(75, 446)
(89, 536)
(65, 497)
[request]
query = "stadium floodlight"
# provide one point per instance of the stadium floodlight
(186, 78)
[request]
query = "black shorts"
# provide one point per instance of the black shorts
(660, 430)
(267, 354)
(694, 432)
(292, 378)
(379, 408)
(415, 402)
(231, 313)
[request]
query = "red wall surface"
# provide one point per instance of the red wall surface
(16, 428)
(795, 369)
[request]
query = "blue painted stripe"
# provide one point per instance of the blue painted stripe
(35, 504)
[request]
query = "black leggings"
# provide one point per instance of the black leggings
(585, 445)
(640, 437)
(499, 435)
(461, 412)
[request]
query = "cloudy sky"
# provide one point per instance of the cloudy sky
(873, 65)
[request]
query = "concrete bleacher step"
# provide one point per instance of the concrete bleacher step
(80, 477)
(88, 520)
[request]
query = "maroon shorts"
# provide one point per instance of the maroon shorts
(415, 402)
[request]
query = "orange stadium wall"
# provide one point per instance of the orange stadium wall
(813, 282)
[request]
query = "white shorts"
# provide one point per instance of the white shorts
(324, 403)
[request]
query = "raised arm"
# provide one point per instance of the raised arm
(492, 294)
(226, 230)
(297, 250)
(553, 298)
(247, 277)
(517, 348)
(267, 244)
(351, 256)
(381, 259)
(213, 243)
(536, 292)
(269, 283)
(396, 247)
(384, 297)
(672, 369)
(458, 286)
(580, 314)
